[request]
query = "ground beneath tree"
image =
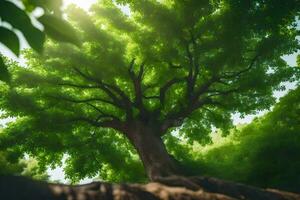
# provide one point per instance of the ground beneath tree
(171, 188)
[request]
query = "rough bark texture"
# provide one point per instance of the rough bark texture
(152, 151)
(171, 188)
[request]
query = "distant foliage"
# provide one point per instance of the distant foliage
(265, 153)
(11, 165)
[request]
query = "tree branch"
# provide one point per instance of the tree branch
(176, 118)
(189, 79)
(204, 88)
(83, 100)
(196, 63)
(79, 86)
(100, 85)
(112, 123)
(195, 101)
(151, 97)
(228, 75)
(220, 92)
(137, 84)
(166, 87)
(103, 114)
(122, 101)
(171, 65)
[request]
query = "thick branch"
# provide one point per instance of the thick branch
(111, 123)
(173, 66)
(196, 63)
(102, 113)
(222, 92)
(100, 85)
(78, 86)
(229, 75)
(151, 97)
(175, 119)
(193, 66)
(204, 88)
(83, 100)
(163, 90)
(137, 84)
(189, 79)
(117, 90)
(226, 75)
(122, 101)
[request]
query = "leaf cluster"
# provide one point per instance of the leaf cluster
(14, 19)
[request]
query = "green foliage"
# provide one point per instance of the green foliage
(53, 6)
(58, 29)
(12, 165)
(264, 153)
(186, 65)
(10, 39)
(33, 170)
(19, 19)
(4, 74)
(105, 153)
(9, 166)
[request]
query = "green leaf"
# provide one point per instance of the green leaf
(18, 18)
(53, 6)
(59, 29)
(29, 6)
(10, 39)
(4, 74)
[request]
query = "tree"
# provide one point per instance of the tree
(165, 66)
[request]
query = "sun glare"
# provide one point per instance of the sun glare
(84, 4)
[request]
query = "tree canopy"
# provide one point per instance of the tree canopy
(182, 66)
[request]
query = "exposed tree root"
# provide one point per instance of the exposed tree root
(171, 188)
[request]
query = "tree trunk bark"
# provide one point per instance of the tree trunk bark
(152, 151)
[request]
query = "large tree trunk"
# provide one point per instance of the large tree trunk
(152, 151)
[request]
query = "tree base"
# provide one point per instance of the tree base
(175, 188)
